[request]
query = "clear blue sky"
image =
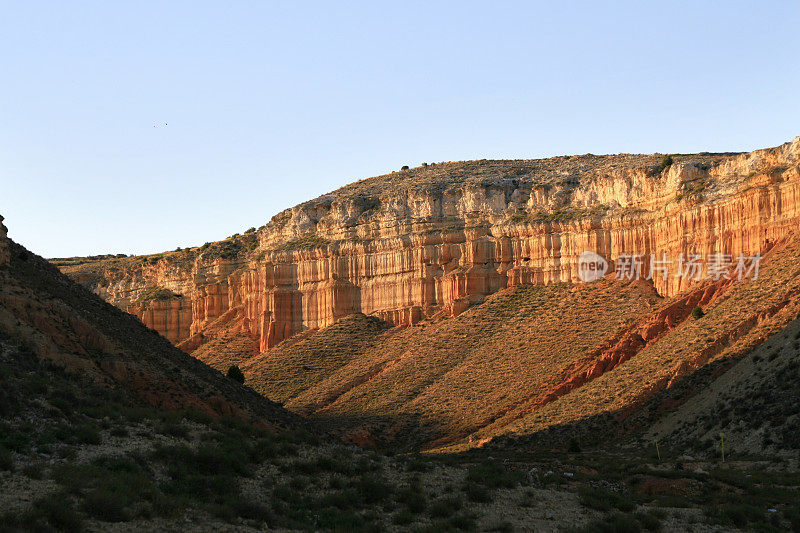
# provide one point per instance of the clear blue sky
(267, 104)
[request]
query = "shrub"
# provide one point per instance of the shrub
(403, 518)
(250, 230)
(666, 162)
(236, 374)
(573, 446)
(404, 167)
(107, 506)
(119, 431)
(649, 521)
(735, 514)
(172, 429)
(57, 510)
(373, 489)
(34, 471)
(87, 434)
(476, 493)
(494, 475)
(413, 498)
(444, 507)
(6, 460)
(341, 499)
(698, 313)
(603, 500)
(418, 464)
(340, 520)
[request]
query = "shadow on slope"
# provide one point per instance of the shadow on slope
(64, 323)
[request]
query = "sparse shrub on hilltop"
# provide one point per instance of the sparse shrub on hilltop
(311, 240)
(156, 294)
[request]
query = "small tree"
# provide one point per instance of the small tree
(665, 163)
(404, 167)
(697, 312)
(236, 374)
(573, 446)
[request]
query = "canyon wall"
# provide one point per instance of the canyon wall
(433, 240)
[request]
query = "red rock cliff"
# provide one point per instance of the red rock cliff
(438, 238)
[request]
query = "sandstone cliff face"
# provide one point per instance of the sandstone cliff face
(434, 240)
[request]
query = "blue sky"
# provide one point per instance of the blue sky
(134, 127)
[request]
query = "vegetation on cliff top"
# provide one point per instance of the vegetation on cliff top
(156, 294)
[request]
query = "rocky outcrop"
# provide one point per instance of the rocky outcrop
(434, 240)
(4, 252)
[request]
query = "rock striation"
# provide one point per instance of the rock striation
(434, 240)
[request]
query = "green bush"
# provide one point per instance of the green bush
(616, 523)
(649, 521)
(341, 499)
(6, 460)
(603, 500)
(735, 514)
(106, 505)
(86, 434)
(494, 475)
(444, 507)
(172, 429)
(156, 294)
(57, 510)
(418, 464)
(477, 493)
(666, 162)
(34, 471)
(236, 374)
(698, 313)
(403, 518)
(373, 489)
(413, 497)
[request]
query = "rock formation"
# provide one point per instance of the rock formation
(4, 252)
(434, 240)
